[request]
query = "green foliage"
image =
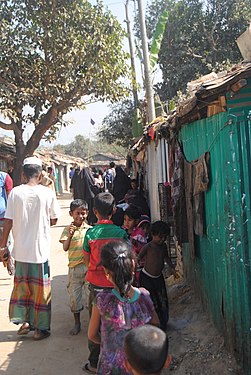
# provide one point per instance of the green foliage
(199, 37)
(78, 148)
(117, 126)
(157, 39)
(81, 146)
(53, 53)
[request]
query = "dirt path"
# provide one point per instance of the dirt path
(196, 347)
(60, 354)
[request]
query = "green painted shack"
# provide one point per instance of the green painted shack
(214, 120)
(221, 266)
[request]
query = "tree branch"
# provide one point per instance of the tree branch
(190, 52)
(5, 126)
(46, 122)
(26, 90)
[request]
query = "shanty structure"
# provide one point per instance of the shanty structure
(7, 154)
(60, 164)
(102, 160)
(197, 160)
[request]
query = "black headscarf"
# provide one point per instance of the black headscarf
(86, 189)
(121, 184)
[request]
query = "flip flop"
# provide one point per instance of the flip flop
(86, 369)
(24, 330)
(41, 335)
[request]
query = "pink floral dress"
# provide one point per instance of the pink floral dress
(118, 316)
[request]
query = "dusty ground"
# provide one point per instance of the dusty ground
(195, 345)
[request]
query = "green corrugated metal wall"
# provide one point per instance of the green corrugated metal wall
(221, 267)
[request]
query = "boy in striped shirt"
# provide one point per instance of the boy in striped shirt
(72, 239)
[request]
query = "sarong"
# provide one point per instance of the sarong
(31, 296)
(158, 294)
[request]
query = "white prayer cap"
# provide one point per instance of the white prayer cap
(32, 160)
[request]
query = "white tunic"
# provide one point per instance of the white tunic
(31, 208)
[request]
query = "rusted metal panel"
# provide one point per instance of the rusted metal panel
(221, 267)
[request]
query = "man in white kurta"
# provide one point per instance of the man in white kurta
(31, 210)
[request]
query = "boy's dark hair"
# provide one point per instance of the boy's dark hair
(117, 257)
(49, 169)
(112, 164)
(104, 204)
(31, 170)
(134, 180)
(146, 349)
(160, 227)
(78, 203)
(133, 211)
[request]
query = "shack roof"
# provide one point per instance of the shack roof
(51, 156)
(206, 97)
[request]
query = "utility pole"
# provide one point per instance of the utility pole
(147, 69)
(134, 82)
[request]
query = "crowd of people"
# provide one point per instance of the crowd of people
(119, 256)
(86, 183)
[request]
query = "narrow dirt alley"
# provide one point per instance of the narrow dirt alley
(196, 347)
(195, 344)
(61, 353)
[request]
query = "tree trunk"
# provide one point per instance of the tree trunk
(22, 150)
(18, 162)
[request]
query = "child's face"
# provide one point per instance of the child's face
(79, 215)
(134, 185)
(146, 228)
(159, 238)
(129, 223)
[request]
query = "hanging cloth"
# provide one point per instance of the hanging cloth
(178, 195)
(196, 183)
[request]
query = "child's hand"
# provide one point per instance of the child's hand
(72, 229)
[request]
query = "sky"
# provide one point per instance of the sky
(81, 119)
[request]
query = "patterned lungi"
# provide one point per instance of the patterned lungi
(31, 296)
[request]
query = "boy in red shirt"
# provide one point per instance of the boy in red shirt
(104, 231)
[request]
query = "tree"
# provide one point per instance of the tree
(199, 37)
(53, 53)
(117, 126)
(80, 146)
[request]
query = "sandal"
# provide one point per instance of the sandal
(87, 369)
(41, 335)
(24, 329)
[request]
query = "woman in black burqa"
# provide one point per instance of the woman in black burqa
(84, 188)
(121, 184)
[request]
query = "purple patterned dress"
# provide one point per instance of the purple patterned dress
(118, 316)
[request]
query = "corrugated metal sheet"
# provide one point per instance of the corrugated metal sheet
(221, 268)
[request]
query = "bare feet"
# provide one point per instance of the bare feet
(75, 330)
(89, 369)
(40, 335)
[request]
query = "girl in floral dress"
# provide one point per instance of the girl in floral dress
(118, 310)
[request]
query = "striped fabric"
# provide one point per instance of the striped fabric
(31, 296)
(75, 251)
